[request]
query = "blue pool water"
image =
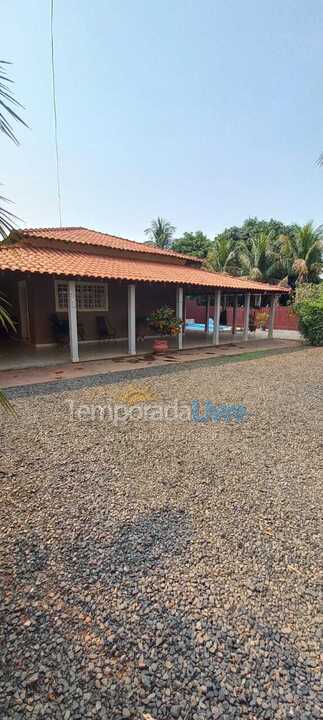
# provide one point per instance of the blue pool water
(200, 327)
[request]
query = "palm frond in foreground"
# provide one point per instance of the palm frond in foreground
(7, 104)
(6, 323)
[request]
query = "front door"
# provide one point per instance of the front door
(24, 310)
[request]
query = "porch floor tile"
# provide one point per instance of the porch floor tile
(51, 364)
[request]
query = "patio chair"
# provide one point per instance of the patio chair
(60, 328)
(141, 328)
(80, 331)
(104, 329)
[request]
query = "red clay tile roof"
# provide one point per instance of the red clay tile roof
(83, 236)
(72, 262)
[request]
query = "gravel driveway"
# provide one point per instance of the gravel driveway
(165, 570)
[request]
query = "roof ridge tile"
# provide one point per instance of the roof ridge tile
(74, 262)
(135, 245)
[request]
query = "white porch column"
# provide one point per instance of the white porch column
(271, 322)
(179, 314)
(207, 314)
(246, 316)
(184, 313)
(72, 321)
(234, 314)
(216, 317)
(131, 319)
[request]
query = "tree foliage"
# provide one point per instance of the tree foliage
(259, 257)
(308, 305)
(273, 228)
(252, 227)
(8, 107)
(6, 323)
(222, 256)
(266, 250)
(160, 232)
(269, 250)
(302, 253)
(193, 243)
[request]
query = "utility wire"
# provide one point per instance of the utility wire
(59, 196)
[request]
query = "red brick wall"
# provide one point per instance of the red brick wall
(193, 310)
(284, 318)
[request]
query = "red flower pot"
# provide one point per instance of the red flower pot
(160, 346)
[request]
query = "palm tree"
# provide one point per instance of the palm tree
(259, 258)
(302, 253)
(222, 256)
(7, 219)
(160, 232)
(8, 103)
(8, 106)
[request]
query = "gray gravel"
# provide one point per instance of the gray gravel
(159, 571)
(110, 378)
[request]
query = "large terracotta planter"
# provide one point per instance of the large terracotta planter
(160, 346)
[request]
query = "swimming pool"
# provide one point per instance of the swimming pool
(200, 327)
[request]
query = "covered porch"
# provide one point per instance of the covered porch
(61, 320)
(54, 368)
(192, 335)
(15, 355)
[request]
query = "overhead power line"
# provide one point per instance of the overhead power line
(58, 179)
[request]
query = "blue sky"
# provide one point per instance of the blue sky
(205, 112)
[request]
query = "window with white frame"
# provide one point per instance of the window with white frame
(90, 296)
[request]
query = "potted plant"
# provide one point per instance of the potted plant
(262, 319)
(164, 322)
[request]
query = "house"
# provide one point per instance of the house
(85, 280)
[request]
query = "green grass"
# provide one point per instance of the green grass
(251, 355)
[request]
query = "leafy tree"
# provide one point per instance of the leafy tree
(252, 227)
(191, 243)
(160, 232)
(231, 235)
(253, 249)
(302, 253)
(222, 256)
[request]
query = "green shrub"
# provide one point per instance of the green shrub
(308, 305)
